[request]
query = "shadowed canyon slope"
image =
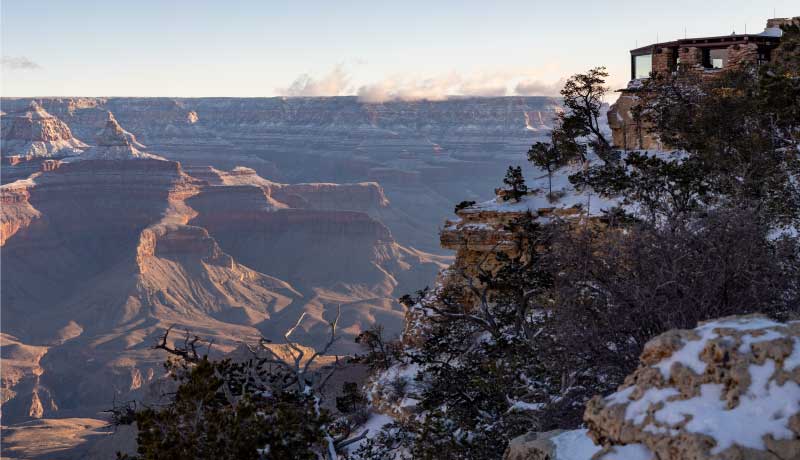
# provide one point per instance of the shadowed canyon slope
(103, 251)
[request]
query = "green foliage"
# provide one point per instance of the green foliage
(352, 399)
(779, 89)
(548, 157)
(578, 128)
(516, 183)
(579, 124)
(203, 422)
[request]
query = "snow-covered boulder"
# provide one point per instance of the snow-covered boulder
(556, 445)
(729, 389)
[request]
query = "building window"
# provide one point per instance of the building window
(715, 58)
(642, 66)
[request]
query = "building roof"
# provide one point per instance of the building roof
(768, 37)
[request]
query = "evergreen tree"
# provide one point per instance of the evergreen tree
(516, 183)
(217, 413)
(351, 400)
(579, 126)
(548, 157)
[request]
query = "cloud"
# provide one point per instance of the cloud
(335, 83)
(538, 88)
(19, 63)
(431, 89)
(434, 88)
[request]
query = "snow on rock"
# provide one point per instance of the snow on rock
(729, 388)
(574, 445)
(393, 391)
(114, 143)
(552, 445)
(564, 197)
(34, 133)
(627, 452)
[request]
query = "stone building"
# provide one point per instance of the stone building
(706, 57)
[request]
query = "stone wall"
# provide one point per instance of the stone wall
(690, 56)
(626, 132)
(742, 54)
(663, 60)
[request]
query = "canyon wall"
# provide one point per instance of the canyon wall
(105, 249)
(426, 155)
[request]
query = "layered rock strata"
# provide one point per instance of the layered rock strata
(32, 133)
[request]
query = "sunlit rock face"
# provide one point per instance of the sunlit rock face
(31, 132)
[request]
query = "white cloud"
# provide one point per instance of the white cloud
(538, 88)
(335, 83)
(435, 88)
(19, 63)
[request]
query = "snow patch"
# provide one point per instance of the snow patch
(689, 355)
(574, 445)
(765, 401)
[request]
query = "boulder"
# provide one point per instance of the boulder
(532, 446)
(728, 389)
(555, 445)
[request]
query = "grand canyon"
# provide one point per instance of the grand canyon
(224, 217)
(417, 230)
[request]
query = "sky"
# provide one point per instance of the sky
(377, 50)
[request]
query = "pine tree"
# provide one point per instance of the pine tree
(351, 399)
(516, 182)
(547, 157)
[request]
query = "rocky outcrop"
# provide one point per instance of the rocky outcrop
(17, 211)
(728, 389)
(114, 143)
(33, 133)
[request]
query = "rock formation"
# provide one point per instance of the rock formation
(426, 155)
(114, 143)
(728, 389)
(32, 133)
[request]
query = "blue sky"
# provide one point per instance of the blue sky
(373, 48)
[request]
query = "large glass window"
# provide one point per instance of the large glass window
(642, 66)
